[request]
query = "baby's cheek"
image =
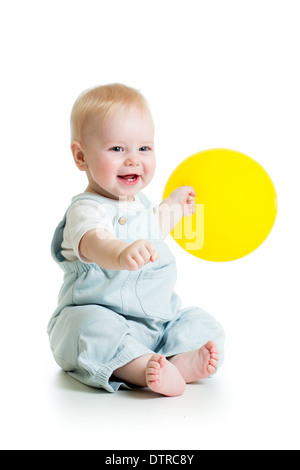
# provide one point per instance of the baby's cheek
(149, 168)
(106, 172)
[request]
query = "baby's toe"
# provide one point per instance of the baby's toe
(210, 369)
(213, 362)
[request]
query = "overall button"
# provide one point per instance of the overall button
(122, 220)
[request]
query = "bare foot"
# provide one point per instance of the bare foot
(163, 377)
(198, 364)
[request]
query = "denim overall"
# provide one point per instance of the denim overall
(105, 319)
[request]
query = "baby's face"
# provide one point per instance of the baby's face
(120, 154)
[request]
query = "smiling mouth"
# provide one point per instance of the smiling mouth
(129, 179)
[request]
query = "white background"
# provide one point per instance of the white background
(216, 74)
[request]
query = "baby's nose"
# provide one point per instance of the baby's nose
(132, 160)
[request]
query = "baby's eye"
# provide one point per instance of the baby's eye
(117, 149)
(144, 149)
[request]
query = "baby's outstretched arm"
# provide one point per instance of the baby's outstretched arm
(106, 250)
(180, 203)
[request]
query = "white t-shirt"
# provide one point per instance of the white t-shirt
(88, 214)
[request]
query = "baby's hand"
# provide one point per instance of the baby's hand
(136, 255)
(185, 196)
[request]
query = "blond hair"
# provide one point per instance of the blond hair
(99, 103)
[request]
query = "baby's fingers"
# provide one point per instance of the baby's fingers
(152, 252)
(191, 192)
(138, 254)
(129, 263)
(141, 257)
(142, 253)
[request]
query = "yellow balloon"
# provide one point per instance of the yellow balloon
(236, 205)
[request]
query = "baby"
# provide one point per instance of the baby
(118, 320)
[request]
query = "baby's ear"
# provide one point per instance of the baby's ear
(79, 156)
